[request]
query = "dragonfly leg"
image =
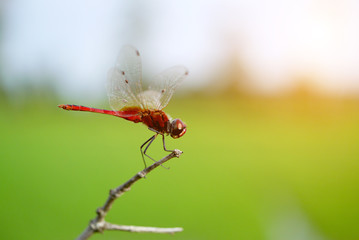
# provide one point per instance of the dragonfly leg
(153, 130)
(164, 144)
(163, 140)
(149, 141)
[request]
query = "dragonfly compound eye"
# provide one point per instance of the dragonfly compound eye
(178, 128)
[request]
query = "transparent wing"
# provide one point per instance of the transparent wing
(151, 99)
(164, 85)
(125, 80)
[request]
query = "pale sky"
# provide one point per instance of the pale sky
(276, 40)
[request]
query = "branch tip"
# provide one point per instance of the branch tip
(177, 153)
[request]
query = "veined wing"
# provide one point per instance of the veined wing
(163, 87)
(124, 83)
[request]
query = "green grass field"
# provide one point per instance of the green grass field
(251, 169)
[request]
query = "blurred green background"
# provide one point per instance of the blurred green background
(251, 169)
(271, 150)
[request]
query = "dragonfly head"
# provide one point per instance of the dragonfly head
(178, 128)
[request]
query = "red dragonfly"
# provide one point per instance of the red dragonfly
(130, 102)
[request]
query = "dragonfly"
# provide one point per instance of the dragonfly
(129, 101)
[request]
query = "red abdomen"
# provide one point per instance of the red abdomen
(133, 115)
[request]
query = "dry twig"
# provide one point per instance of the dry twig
(99, 224)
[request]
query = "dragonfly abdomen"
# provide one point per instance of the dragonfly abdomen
(133, 116)
(86, 109)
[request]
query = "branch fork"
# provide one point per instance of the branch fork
(98, 224)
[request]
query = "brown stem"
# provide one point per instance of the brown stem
(99, 224)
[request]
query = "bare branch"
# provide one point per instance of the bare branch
(139, 229)
(98, 224)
